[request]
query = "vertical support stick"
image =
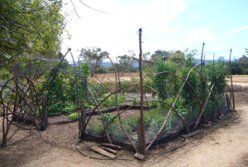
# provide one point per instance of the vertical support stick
(202, 52)
(189, 117)
(79, 100)
(141, 131)
(202, 82)
(213, 58)
(3, 127)
(230, 70)
(81, 121)
(82, 109)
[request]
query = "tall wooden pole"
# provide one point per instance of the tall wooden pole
(141, 129)
(230, 69)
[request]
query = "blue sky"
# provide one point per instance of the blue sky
(167, 25)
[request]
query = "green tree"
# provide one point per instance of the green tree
(178, 58)
(93, 56)
(236, 68)
(190, 58)
(246, 51)
(126, 63)
(29, 28)
(243, 63)
(160, 54)
(243, 59)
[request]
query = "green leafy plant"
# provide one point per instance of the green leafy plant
(70, 107)
(153, 115)
(95, 128)
(114, 129)
(132, 122)
(164, 81)
(111, 101)
(135, 102)
(57, 96)
(65, 91)
(73, 116)
(191, 89)
(216, 73)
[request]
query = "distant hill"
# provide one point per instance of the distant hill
(136, 64)
(108, 64)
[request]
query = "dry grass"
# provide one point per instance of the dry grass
(110, 77)
(135, 75)
(240, 82)
(239, 78)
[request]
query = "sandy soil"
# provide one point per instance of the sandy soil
(225, 146)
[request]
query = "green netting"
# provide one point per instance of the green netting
(153, 120)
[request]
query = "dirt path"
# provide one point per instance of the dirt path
(225, 147)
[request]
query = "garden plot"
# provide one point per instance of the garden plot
(153, 120)
(169, 99)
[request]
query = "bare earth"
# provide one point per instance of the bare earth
(226, 146)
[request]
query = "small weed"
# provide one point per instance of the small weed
(73, 116)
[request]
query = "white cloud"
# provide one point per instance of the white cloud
(237, 30)
(117, 32)
(196, 15)
(199, 35)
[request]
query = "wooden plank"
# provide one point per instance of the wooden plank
(103, 152)
(109, 150)
(139, 156)
(193, 133)
(112, 146)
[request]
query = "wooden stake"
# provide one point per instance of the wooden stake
(141, 130)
